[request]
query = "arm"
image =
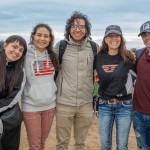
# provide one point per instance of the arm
(15, 96)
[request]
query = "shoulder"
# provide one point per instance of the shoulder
(59, 44)
(92, 43)
(101, 56)
(139, 52)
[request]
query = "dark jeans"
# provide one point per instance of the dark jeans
(11, 139)
(141, 124)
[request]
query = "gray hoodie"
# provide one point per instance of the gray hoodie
(40, 90)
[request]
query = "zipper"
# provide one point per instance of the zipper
(79, 48)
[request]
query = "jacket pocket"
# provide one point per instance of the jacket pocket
(42, 95)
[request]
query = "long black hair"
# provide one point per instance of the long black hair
(74, 16)
(50, 46)
(18, 64)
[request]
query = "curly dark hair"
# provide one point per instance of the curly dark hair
(126, 55)
(74, 16)
(49, 48)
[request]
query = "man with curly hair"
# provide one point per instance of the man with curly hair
(75, 83)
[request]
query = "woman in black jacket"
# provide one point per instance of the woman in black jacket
(11, 85)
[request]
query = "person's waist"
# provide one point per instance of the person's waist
(121, 98)
(111, 101)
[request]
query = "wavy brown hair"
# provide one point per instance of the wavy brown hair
(126, 55)
(18, 65)
(49, 48)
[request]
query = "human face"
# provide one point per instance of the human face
(113, 41)
(13, 51)
(41, 39)
(146, 39)
(78, 30)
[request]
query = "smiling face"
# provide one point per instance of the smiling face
(13, 51)
(78, 30)
(41, 38)
(146, 39)
(113, 41)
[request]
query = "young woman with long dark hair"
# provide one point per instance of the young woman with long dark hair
(39, 96)
(11, 86)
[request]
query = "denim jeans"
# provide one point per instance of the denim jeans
(121, 114)
(141, 123)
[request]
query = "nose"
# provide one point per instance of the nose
(17, 50)
(42, 37)
(77, 28)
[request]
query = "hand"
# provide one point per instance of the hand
(95, 114)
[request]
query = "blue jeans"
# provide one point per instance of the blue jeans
(141, 123)
(121, 113)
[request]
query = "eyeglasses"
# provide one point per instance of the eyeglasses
(80, 27)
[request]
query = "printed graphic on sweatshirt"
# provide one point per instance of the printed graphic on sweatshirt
(109, 68)
(43, 68)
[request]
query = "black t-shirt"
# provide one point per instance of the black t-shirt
(121, 85)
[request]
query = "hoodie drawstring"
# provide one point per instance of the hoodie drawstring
(37, 64)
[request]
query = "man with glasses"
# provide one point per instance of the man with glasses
(75, 84)
(141, 100)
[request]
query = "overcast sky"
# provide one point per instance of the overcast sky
(20, 16)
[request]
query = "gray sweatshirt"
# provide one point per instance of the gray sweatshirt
(40, 90)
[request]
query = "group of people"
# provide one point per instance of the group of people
(29, 72)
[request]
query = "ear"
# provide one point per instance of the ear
(86, 31)
(5, 45)
(106, 40)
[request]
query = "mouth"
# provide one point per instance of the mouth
(148, 41)
(114, 43)
(41, 43)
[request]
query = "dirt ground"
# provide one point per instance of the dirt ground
(92, 142)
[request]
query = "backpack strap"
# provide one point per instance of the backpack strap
(62, 48)
(94, 49)
(139, 54)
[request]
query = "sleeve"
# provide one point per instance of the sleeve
(15, 96)
(133, 69)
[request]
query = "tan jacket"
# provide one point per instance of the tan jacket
(75, 79)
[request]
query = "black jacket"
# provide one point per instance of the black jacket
(7, 99)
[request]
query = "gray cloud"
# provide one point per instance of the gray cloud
(19, 16)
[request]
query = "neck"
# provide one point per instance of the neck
(113, 51)
(148, 50)
(78, 42)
